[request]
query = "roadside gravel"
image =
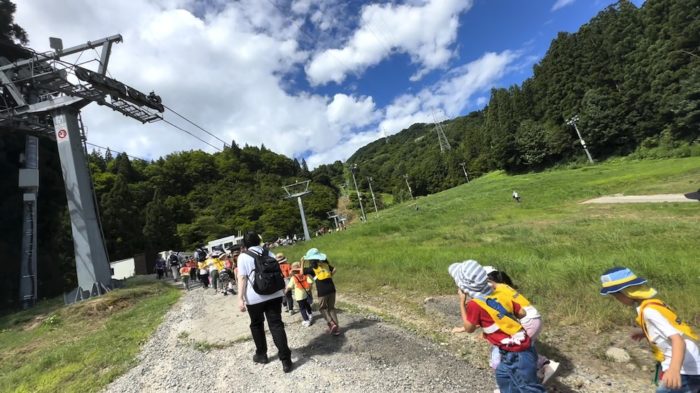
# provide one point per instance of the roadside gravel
(204, 344)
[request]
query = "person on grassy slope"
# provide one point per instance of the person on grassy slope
(300, 286)
(672, 341)
(322, 272)
(532, 322)
(494, 310)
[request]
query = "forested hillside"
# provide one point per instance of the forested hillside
(632, 75)
(176, 202)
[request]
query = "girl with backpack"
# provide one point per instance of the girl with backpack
(494, 310)
(323, 272)
(532, 322)
(300, 284)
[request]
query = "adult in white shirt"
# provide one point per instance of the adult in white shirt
(261, 307)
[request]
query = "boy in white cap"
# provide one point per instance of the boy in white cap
(498, 315)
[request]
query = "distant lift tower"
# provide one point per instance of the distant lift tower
(442, 139)
(43, 95)
(333, 215)
(369, 180)
(353, 169)
(298, 190)
(464, 169)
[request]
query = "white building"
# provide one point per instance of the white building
(123, 269)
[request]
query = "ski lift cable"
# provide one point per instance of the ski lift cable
(114, 151)
(191, 134)
(196, 125)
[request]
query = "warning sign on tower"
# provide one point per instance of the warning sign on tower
(62, 134)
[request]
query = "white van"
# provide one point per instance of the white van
(225, 243)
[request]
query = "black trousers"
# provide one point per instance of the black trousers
(272, 311)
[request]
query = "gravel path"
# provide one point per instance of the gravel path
(204, 345)
(691, 197)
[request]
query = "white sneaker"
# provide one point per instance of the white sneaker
(305, 323)
(496, 390)
(549, 370)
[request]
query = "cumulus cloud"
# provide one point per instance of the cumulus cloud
(425, 30)
(561, 4)
(231, 69)
(227, 72)
(444, 99)
(450, 96)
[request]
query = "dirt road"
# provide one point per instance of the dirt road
(691, 197)
(204, 344)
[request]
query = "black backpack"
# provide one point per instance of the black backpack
(267, 274)
(174, 260)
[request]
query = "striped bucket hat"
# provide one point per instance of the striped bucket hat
(471, 278)
(618, 278)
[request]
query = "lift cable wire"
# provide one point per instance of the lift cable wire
(193, 135)
(196, 125)
(114, 151)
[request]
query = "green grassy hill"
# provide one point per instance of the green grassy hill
(84, 346)
(554, 248)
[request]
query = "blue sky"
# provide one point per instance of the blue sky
(308, 78)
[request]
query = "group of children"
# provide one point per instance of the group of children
(299, 282)
(489, 299)
(217, 270)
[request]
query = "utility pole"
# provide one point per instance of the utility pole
(442, 139)
(572, 122)
(463, 165)
(369, 180)
(353, 169)
(409, 186)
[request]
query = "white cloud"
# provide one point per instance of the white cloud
(447, 98)
(226, 72)
(450, 96)
(425, 30)
(229, 71)
(561, 4)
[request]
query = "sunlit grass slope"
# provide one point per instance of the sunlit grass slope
(554, 248)
(83, 347)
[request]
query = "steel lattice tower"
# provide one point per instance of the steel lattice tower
(442, 139)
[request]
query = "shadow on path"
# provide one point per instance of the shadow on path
(693, 195)
(324, 344)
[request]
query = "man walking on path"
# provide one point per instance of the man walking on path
(261, 307)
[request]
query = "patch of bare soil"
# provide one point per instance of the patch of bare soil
(584, 367)
(690, 197)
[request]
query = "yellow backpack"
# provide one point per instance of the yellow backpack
(672, 318)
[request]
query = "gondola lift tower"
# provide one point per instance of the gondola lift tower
(43, 95)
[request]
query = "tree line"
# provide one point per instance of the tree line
(632, 75)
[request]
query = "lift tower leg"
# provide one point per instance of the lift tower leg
(91, 260)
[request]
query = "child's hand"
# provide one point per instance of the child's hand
(458, 329)
(637, 334)
(462, 296)
(672, 379)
